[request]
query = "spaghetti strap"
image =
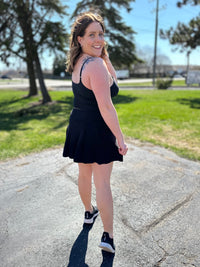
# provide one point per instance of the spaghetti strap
(83, 66)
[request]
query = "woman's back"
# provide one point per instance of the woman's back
(84, 97)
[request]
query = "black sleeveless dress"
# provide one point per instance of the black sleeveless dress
(88, 138)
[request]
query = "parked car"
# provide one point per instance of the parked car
(5, 77)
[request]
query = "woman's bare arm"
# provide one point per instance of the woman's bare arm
(99, 83)
(110, 67)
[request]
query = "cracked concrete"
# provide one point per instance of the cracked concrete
(156, 210)
(167, 214)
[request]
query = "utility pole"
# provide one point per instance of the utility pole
(188, 66)
(155, 44)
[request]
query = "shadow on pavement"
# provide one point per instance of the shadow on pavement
(107, 259)
(79, 250)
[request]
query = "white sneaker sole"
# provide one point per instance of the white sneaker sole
(90, 221)
(107, 247)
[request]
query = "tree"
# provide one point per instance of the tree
(185, 2)
(146, 53)
(59, 65)
(11, 42)
(121, 48)
(26, 31)
(185, 36)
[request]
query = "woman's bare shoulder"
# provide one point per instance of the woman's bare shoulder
(94, 64)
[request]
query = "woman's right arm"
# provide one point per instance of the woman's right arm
(110, 67)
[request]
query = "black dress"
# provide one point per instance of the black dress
(88, 138)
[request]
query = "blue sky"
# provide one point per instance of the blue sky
(142, 20)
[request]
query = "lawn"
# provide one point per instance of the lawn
(142, 84)
(168, 118)
(165, 117)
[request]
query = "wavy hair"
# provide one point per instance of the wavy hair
(78, 29)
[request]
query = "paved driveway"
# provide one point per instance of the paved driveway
(156, 212)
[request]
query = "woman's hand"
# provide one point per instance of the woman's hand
(122, 147)
(104, 54)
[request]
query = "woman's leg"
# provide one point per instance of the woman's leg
(85, 185)
(104, 199)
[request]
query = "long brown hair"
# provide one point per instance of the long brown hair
(78, 29)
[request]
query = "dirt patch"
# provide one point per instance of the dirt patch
(180, 139)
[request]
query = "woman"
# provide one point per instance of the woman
(94, 138)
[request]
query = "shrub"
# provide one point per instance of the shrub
(163, 83)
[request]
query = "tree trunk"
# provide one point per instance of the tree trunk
(24, 17)
(31, 74)
(45, 94)
(25, 24)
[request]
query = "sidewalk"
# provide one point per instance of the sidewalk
(156, 212)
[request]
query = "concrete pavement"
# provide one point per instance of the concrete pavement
(24, 84)
(64, 85)
(156, 212)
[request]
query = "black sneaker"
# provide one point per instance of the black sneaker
(90, 217)
(107, 243)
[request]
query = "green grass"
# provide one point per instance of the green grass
(8, 81)
(135, 84)
(138, 84)
(168, 118)
(27, 127)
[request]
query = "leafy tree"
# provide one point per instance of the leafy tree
(146, 53)
(185, 36)
(185, 2)
(26, 31)
(11, 41)
(59, 65)
(121, 48)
